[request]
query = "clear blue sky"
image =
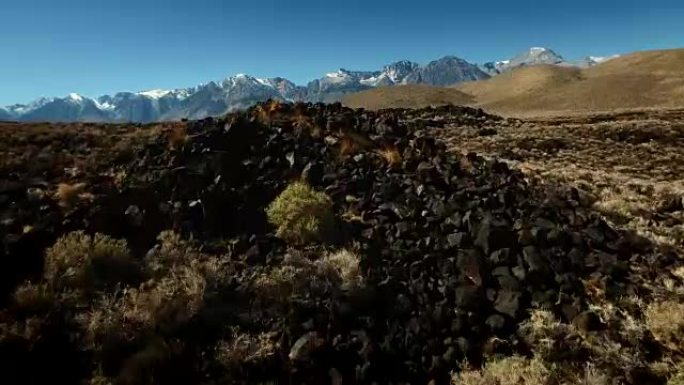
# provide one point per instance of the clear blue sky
(53, 47)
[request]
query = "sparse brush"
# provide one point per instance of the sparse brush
(343, 266)
(68, 195)
(665, 320)
(391, 155)
(245, 348)
(676, 376)
(83, 261)
(169, 301)
(171, 251)
(273, 106)
(177, 137)
(348, 146)
(33, 298)
(301, 214)
(278, 283)
(267, 112)
(513, 370)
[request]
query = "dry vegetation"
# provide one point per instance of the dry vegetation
(627, 166)
(630, 167)
(652, 79)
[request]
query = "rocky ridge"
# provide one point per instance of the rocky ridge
(455, 250)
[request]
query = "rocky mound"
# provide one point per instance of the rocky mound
(452, 253)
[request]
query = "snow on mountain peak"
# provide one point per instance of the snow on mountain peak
(601, 59)
(264, 82)
(538, 49)
(75, 97)
(155, 94)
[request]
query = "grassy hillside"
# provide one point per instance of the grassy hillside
(636, 81)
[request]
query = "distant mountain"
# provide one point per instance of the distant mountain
(533, 56)
(5, 115)
(446, 71)
(591, 61)
(241, 91)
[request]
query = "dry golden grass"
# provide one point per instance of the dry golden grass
(34, 298)
(513, 370)
(391, 155)
(68, 195)
(666, 321)
(629, 167)
(341, 266)
(177, 137)
(406, 96)
(638, 80)
(245, 348)
(348, 146)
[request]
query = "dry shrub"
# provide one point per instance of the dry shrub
(278, 283)
(267, 112)
(665, 320)
(514, 370)
(68, 195)
(549, 339)
(103, 326)
(677, 375)
(246, 348)
(170, 301)
(300, 276)
(391, 155)
(348, 146)
(171, 251)
(34, 298)
(343, 267)
(301, 214)
(79, 260)
(177, 137)
(161, 304)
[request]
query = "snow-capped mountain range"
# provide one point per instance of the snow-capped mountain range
(241, 91)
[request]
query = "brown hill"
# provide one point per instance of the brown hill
(406, 96)
(636, 81)
(639, 80)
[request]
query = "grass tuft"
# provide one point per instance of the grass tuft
(301, 214)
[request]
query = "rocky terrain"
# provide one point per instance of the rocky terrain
(242, 91)
(311, 243)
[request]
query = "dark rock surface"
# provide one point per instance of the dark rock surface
(454, 248)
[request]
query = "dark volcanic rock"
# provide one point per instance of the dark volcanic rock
(454, 250)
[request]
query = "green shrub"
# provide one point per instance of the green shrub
(301, 214)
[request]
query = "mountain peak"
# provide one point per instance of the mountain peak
(242, 90)
(155, 94)
(75, 97)
(538, 49)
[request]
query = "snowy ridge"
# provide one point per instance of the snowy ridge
(242, 90)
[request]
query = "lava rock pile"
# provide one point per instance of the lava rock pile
(454, 249)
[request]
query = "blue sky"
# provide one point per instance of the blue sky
(93, 47)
